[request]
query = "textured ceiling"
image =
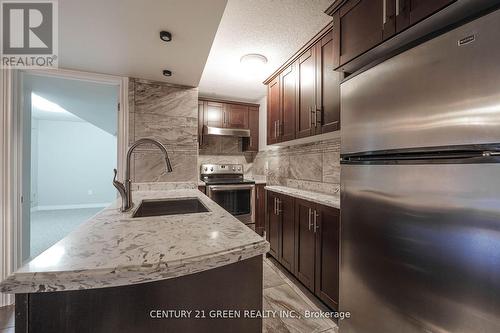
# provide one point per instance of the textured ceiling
(274, 28)
(121, 37)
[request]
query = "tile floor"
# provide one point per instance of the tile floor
(50, 226)
(281, 293)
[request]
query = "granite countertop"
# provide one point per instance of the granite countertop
(114, 249)
(321, 198)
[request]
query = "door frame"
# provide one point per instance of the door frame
(11, 143)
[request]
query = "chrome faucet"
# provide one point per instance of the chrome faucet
(125, 190)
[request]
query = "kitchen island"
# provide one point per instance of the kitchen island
(117, 273)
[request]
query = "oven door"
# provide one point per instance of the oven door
(236, 199)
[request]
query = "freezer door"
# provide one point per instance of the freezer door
(420, 248)
(444, 92)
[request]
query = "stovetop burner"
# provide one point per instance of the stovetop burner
(223, 174)
(226, 181)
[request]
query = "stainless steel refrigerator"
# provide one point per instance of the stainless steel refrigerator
(420, 188)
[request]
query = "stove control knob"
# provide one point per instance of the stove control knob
(239, 168)
(206, 169)
(234, 168)
(211, 169)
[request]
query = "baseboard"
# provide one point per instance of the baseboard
(63, 207)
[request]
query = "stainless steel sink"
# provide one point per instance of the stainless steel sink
(160, 207)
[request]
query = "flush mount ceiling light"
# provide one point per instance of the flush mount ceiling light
(165, 36)
(253, 60)
(166, 72)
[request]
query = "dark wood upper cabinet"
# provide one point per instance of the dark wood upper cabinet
(214, 114)
(304, 95)
(306, 85)
(327, 255)
(273, 110)
(228, 114)
(236, 116)
(252, 143)
(361, 27)
(305, 243)
(288, 94)
(410, 12)
(328, 87)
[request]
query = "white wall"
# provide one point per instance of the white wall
(75, 162)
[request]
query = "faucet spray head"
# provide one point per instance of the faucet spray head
(169, 166)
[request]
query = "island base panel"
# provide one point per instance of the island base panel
(127, 309)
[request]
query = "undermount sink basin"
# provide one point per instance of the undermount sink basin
(160, 207)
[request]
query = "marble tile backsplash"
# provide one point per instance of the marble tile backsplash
(312, 167)
(168, 113)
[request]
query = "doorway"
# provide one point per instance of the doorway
(70, 146)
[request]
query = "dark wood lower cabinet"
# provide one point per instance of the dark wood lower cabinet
(260, 208)
(305, 239)
(273, 224)
(138, 308)
(327, 255)
(281, 228)
(287, 240)
(315, 245)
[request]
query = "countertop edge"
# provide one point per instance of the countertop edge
(79, 280)
(332, 200)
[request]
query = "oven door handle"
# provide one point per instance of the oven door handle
(216, 188)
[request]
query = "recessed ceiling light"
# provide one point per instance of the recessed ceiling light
(166, 72)
(165, 36)
(253, 59)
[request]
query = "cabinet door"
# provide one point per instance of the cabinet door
(306, 82)
(273, 110)
(327, 228)
(260, 208)
(420, 9)
(252, 143)
(410, 12)
(327, 87)
(236, 116)
(214, 114)
(273, 224)
(288, 103)
(361, 27)
(287, 241)
(201, 115)
(304, 243)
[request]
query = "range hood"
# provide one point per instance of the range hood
(218, 131)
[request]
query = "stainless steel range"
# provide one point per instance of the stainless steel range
(227, 187)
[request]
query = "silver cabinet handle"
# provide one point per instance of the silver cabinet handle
(319, 112)
(313, 112)
(275, 133)
(316, 226)
(384, 12)
(279, 207)
(310, 220)
(275, 206)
